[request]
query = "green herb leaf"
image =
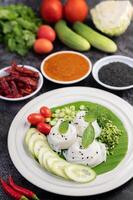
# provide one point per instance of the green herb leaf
(88, 136)
(89, 117)
(63, 128)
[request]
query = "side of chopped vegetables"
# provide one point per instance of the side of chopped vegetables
(18, 27)
(67, 114)
(110, 134)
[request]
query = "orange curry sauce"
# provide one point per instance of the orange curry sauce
(66, 67)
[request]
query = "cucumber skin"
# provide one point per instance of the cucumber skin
(70, 38)
(96, 39)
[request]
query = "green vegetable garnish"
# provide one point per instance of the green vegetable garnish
(89, 117)
(110, 134)
(63, 128)
(66, 113)
(18, 27)
(88, 136)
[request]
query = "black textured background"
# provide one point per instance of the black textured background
(9, 110)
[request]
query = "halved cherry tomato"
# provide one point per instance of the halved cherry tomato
(46, 112)
(44, 128)
(35, 118)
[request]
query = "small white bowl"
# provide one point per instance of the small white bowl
(111, 59)
(40, 83)
(66, 82)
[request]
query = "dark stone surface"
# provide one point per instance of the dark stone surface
(8, 110)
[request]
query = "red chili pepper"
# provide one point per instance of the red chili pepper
(15, 195)
(22, 190)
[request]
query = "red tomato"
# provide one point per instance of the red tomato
(51, 10)
(76, 10)
(46, 112)
(44, 128)
(43, 46)
(46, 32)
(35, 118)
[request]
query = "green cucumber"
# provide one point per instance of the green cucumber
(40, 155)
(34, 138)
(96, 39)
(28, 135)
(38, 145)
(80, 173)
(58, 168)
(46, 156)
(50, 161)
(70, 38)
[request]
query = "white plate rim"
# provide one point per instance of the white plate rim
(72, 191)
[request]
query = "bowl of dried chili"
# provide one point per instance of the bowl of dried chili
(19, 82)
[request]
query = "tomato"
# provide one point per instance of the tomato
(76, 10)
(44, 128)
(43, 46)
(51, 10)
(46, 112)
(46, 32)
(35, 118)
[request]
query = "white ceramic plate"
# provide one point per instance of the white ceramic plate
(111, 59)
(32, 171)
(40, 83)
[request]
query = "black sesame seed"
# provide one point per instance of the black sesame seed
(96, 152)
(82, 158)
(87, 157)
(72, 157)
(122, 74)
(65, 138)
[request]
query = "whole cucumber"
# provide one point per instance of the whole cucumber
(96, 39)
(70, 38)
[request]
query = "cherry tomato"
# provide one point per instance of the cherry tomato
(46, 112)
(44, 128)
(35, 118)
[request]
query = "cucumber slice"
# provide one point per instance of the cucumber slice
(46, 156)
(38, 145)
(28, 135)
(50, 161)
(58, 168)
(40, 155)
(79, 173)
(34, 138)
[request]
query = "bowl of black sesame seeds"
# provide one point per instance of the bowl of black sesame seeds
(114, 72)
